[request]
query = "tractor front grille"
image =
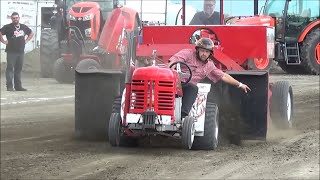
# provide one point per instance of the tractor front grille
(152, 95)
(82, 26)
(82, 9)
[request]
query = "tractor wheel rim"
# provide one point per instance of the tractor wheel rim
(317, 53)
(289, 107)
(261, 63)
(92, 68)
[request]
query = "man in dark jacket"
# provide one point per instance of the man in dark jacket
(15, 33)
(208, 16)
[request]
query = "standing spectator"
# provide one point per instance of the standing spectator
(208, 16)
(15, 33)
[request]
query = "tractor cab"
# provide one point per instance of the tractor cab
(292, 16)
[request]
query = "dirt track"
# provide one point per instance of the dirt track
(37, 142)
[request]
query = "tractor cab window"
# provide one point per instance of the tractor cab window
(274, 8)
(304, 9)
(300, 14)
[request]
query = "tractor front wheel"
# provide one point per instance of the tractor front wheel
(115, 129)
(88, 64)
(116, 135)
(211, 129)
(62, 73)
(188, 130)
(281, 104)
(310, 52)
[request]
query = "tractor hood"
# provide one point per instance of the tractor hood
(84, 8)
(256, 20)
(153, 73)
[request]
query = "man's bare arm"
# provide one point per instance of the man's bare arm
(29, 37)
(2, 40)
(230, 80)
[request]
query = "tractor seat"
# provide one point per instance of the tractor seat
(291, 40)
(306, 13)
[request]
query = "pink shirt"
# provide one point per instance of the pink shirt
(199, 69)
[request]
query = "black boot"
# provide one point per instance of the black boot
(21, 89)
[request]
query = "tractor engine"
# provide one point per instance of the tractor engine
(153, 91)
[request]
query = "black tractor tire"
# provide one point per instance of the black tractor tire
(115, 129)
(211, 130)
(308, 56)
(188, 131)
(281, 105)
(94, 96)
(86, 64)
(116, 137)
(292, 69)
(252, 65)
(49, 52)
(62, 73)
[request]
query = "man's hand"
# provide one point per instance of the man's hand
(5, 42)
(244, 87)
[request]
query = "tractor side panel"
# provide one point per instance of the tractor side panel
(241, 113)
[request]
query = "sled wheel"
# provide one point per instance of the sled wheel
(260, 64)
(281, 104)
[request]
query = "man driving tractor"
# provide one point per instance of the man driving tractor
(201, 66)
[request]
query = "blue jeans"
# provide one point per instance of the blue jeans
(190, 92)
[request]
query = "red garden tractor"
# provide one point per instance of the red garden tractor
(147, 98)
(297, 34)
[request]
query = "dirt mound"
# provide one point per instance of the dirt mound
(31, 63)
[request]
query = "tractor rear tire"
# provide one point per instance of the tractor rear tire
(308, 52)
(87, 64)
(211, 130)
(62, 73)
(281, 105)
(292, 69)
(188, 130)
(49, 52)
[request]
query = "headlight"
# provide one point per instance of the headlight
(72, 18)
(88, 17)
(88, 32)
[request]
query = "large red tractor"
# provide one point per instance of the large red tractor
(297, 34)
(147, 97)
(74, 30)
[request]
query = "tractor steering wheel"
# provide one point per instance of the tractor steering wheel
(182, 74)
